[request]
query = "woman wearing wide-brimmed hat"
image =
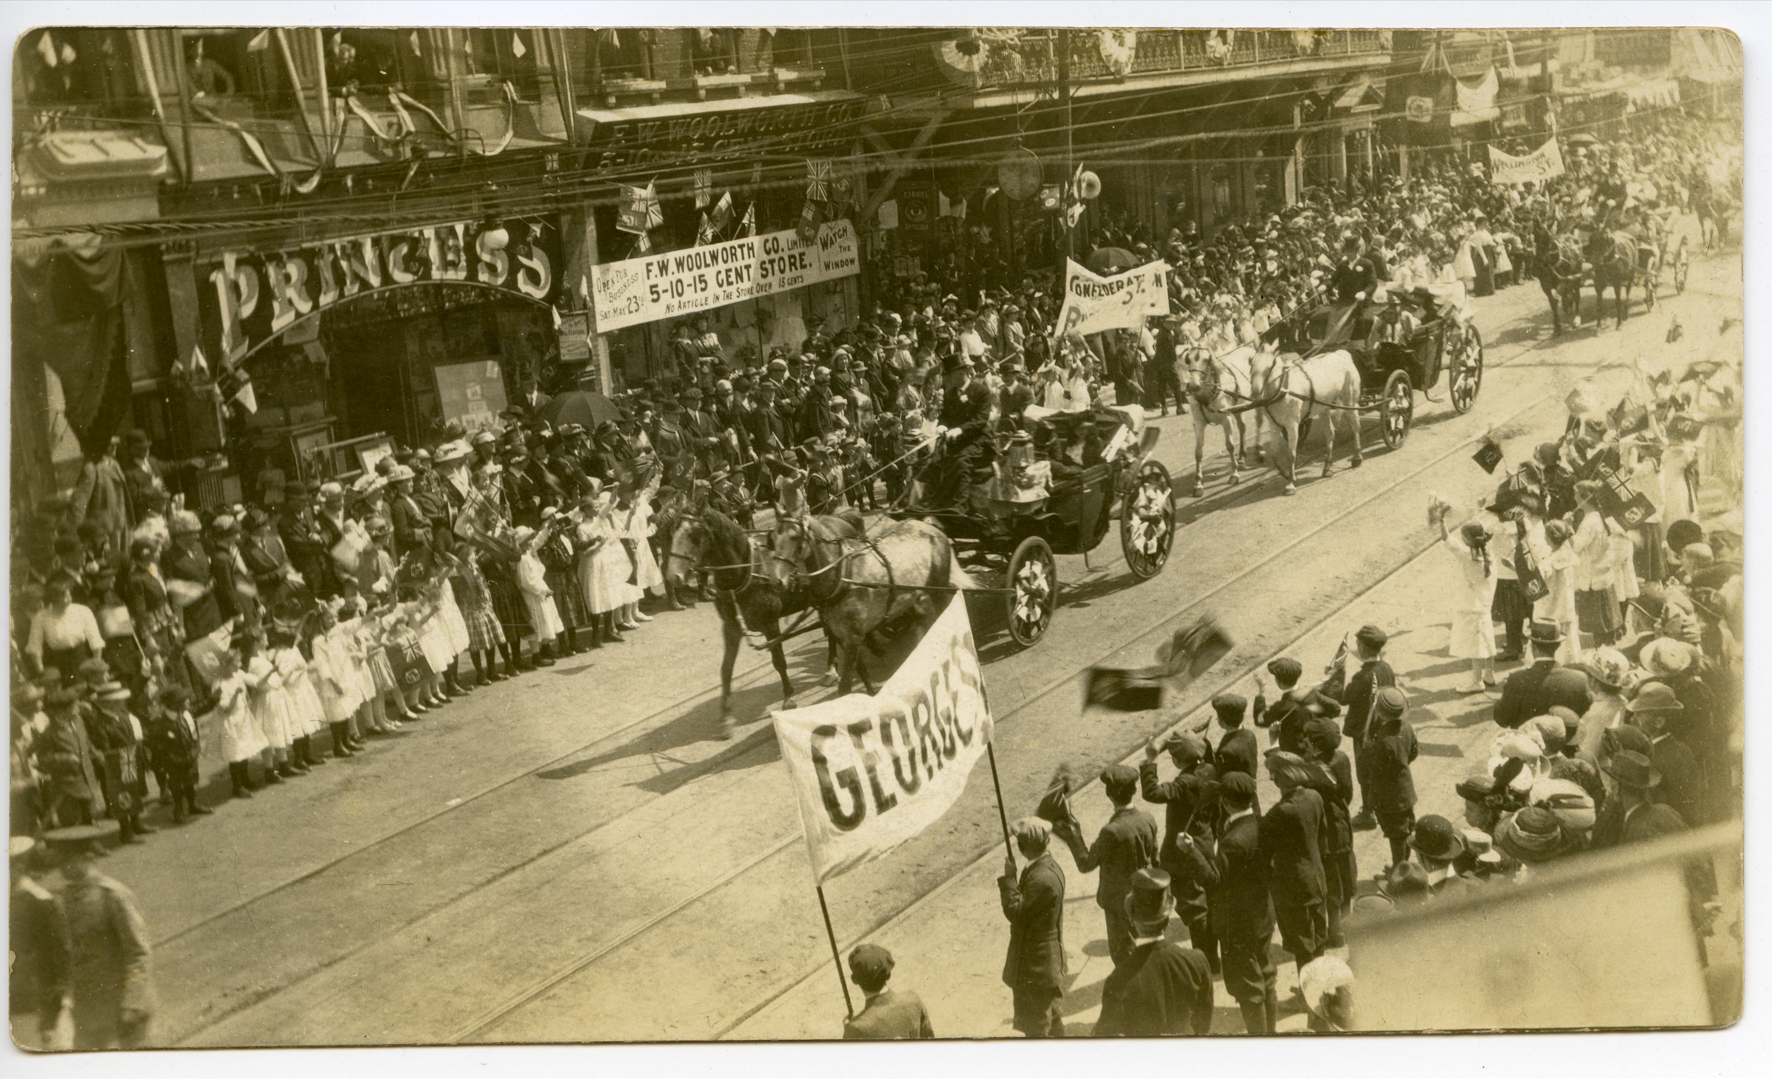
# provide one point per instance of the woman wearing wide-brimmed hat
(1473, 598)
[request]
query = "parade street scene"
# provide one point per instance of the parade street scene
(562, 535)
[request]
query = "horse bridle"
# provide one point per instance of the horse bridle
(750, 567)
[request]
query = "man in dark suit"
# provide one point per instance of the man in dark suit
(1125, 844)
(1537, 689)
(1291, 835)
(1238, 750)
(1355, 695)
(1035, 967)
(1295, 706)
(888, 1015)
(1236, 879)
(1159, 988)
(1682, 782)
(1190, 802)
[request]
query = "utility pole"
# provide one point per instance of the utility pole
(1064, 95)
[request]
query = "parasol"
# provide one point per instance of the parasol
(586, 408)
(1582, 139)
(1112, 260)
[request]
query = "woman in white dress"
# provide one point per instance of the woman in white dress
(335, 678)
(1557, 561)
(637, 528)
(241, 738)
(603, 563)
(275, 716)
(1472, 590)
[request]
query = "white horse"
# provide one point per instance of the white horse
(1294, 391)
(1215, 387)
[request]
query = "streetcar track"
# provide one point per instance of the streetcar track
(535, 990)
(560, 974)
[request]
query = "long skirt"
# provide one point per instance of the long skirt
(569, 600)
(647, 576)
(1473, 635)
(241, 737)
(277, 719)
(508, 607)
(1596, 611)
(1651, 556)
(1511, 607)
(308, 708)
(484, 632)
(454, 623)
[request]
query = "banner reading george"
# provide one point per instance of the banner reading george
(871, 772)
(1093, 303)
(640, 290)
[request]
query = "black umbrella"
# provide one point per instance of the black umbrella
(586, 408)
(1112, 260)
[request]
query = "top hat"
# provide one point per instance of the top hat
(1149, 903)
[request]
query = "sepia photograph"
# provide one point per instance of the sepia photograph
(572, 535)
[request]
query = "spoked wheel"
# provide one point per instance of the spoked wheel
(1147, 522)
(1033, 584)
(1396, 408)
(1465, 377)
(1682, 266)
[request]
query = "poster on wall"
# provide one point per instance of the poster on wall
(654, 287)
(472, 394)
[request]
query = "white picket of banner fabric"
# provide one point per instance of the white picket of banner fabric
(1541, 164)
(872, 772)
(1093, 303)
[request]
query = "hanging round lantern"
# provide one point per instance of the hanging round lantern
(1018, 173)
(1088, 186)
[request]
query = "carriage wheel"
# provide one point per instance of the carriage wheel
(1682, 265)
(1396, 408)
(1147, 522)
(1033, 583)
(1466, 376)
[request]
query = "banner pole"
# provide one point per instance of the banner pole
(835, 956)
(1002, 814)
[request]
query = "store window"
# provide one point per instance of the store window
(624, 52)
(791, 49)
(713, 50)
(490, 58)
(62, 66)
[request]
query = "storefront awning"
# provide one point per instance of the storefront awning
(1363, 95)
(1654, 94)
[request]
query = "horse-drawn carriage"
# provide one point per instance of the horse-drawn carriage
(1400, 343)
(1099, 472)
(1611, 256)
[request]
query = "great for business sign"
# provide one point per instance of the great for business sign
(653, 287)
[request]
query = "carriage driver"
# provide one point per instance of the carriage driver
(966, 451)
(1356, 278)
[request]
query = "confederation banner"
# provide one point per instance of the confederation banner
(1093, 303)
(1541, 164)
(871, 772)
(653, 287)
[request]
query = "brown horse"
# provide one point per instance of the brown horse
(1294, 391)
(870, 590)
(1614, 258)
(748, 598)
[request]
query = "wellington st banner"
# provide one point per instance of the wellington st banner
(871, 772)
(1541, 164)
(1093, 303)
(656, 286)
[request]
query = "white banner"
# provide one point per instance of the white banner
(1541, 164)
(871, 772)
(1093, 303)
(654, 287)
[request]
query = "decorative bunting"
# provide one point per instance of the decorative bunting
(517, 48)
(818, 180)
(46, 49)
(704, 188)
(555, 311)
(639, 209)
(260, 41)
(199, 367)
(412, 40)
